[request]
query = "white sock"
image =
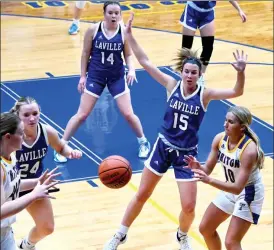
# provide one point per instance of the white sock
(142, 139)
(123, 230)
(28, 242)
(76, 21)
(182, 233)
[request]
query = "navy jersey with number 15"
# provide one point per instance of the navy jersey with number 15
(30, 157)
(106, 52)
(183, 118)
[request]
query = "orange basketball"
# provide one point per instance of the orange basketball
(115, 171)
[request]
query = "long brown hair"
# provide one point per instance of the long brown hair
(9, 123)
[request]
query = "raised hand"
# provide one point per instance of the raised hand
(129, 24)
(241, 60)
(192, 162)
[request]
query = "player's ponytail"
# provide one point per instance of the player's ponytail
(184, 56)
(245, 118)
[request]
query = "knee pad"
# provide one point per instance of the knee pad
(80, 4)
(207, 43)
(187, 41)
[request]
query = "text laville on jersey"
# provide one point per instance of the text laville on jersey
(178, 105)
(33, 155)
(108, 46)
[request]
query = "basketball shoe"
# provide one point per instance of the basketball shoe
(116, 240)
(74, 28)
(184, 241)
(144, 149)
(59, 158)
(23, 244)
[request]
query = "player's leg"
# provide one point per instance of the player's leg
(212, 218)
(189, 27)
(235, 233)
(42, 214)
(187, 186)
(188, 195)
(121, 94)
(207, 31)
(149, 181)
(87, 103)
(77, 12)
(155, 167)
(88, 100)
(247, 211)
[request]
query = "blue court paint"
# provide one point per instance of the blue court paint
(140, 6)
(49, 74)
(93, 184)
(167, 3)
(105, 131)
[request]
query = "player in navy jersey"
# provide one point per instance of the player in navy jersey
(239, 152)
(186, 105)
(200, 15)
(11, 138)
(37, 137)
(101, 66)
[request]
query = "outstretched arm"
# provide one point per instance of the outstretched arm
(211, 159)
(60, 146)
(240, 11)
(247, 161)
(164, 79)
(12, 207)
(131, 76)
(238, 90)
(85, 57)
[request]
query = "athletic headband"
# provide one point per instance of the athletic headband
(193, 60)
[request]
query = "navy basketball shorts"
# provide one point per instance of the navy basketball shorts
(163, 156)
(193, 19)
(96, 83)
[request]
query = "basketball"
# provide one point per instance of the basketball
(115, 171)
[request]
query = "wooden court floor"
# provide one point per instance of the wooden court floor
(86, 217)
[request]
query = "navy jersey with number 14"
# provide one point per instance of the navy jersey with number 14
(106, 52)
